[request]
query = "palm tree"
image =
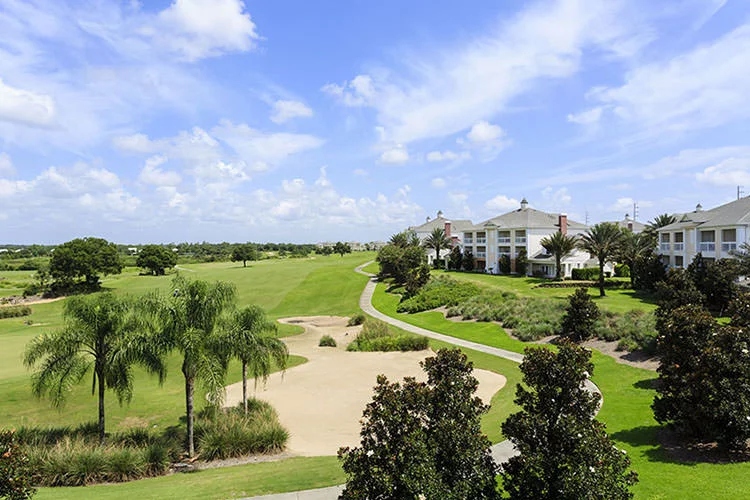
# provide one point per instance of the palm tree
(662, 220)
(634, 247)
(103, 332)
(560, 245)
(602, 241)
(437, 240)
(251, 339)
(189, 323)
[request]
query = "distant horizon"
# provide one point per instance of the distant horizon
(231, 120)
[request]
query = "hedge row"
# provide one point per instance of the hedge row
(14, 311)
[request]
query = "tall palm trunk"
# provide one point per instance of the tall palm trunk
(100, 377)
(601, 278)
(244, 385)
(189, 390)
(558, 263)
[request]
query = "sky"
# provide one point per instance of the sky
(314, 120)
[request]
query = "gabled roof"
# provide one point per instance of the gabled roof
(530, 218)
(735, 213)
(439, 222)
(638, 227)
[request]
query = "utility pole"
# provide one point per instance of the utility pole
(635, 210)
(740, 192)
(587, 217)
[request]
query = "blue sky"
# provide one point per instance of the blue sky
(280, 120)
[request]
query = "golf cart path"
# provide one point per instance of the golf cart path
(501, 452)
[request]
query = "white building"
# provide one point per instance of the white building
(453, 231)
(714, 233)
(631, 225)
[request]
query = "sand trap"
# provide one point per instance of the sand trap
(320, 402)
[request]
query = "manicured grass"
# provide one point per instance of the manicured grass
(626, 411)
(373, 268)
(14, 282)
(228, 482)
(615, 301)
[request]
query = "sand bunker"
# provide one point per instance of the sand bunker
(320, 402)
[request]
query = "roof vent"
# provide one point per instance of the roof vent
(524, 203)
(627, 216)
(428, 219)
(440, 213)
(699, 208)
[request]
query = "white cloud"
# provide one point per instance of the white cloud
(284, 111)
(203, 28)
(729, 172)
(556, 199)
(25, 107)
(701, 88)
(587, 117)
(487, 138)
(502, 203)
(151, 174)
(395, 156)
(441, 93)
(438, 183)
(6, 165)
(358, 92)
(437, 156)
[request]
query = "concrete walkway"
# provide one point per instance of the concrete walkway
(501, 452)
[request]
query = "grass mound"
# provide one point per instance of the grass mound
(377, 336)
(440, 291)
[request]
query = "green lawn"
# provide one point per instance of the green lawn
(13, 282)
(627, 399)
(615, 301)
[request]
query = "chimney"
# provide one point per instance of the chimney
(630, 226)
(448, 229)
(563, 223)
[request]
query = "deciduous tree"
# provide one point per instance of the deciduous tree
(156, 258)
(244, 252)
(85, 258)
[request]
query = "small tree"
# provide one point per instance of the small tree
(578, 323)
(522, 262)
(103, 335)
(417, 278)
(423, 440)
(719, 284)
(244, 252)
(674, 292)
(437, 240)
(704, 378)
(603, 241)
(560, 246)
(15, 472)
(454, 259)
(156, 258)
(647, 270)
(635, 247)
(503, 264)
(342, 248)
(468, 260)
(565, 454)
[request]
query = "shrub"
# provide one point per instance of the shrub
(522, 261)
(327, 341)
(377, 336)
(156, 459)
(440, 291)
(15, 473)
(585, 273)
(14, 311)
(580, 316)
(356, 319)
(622, 271)
(503, 264)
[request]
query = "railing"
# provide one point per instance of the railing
(481, 241)
(728, 246)
(521, 240)
(468, 241)
(506, 241)
(679, 247)
(664, 247)
(481, 255)
(507, 254)
(707, 246)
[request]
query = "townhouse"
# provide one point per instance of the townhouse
(714, 233)
(453, 231)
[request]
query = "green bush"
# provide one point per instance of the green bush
(585, 273)
(377, 336)
(356, 319)
(622, 271)
(579, 321)
(231, 433)
(440, 291)
(327, 341)
(14, 311)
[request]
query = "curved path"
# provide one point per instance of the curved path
(501, 452)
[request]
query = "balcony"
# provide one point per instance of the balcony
(481, 241)
(664, 247)
(521, 240)
(679, 247)
(707, 246)
(503, 241)
(468, 241)
(481, 255)
(728, 246)
(506, 253)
